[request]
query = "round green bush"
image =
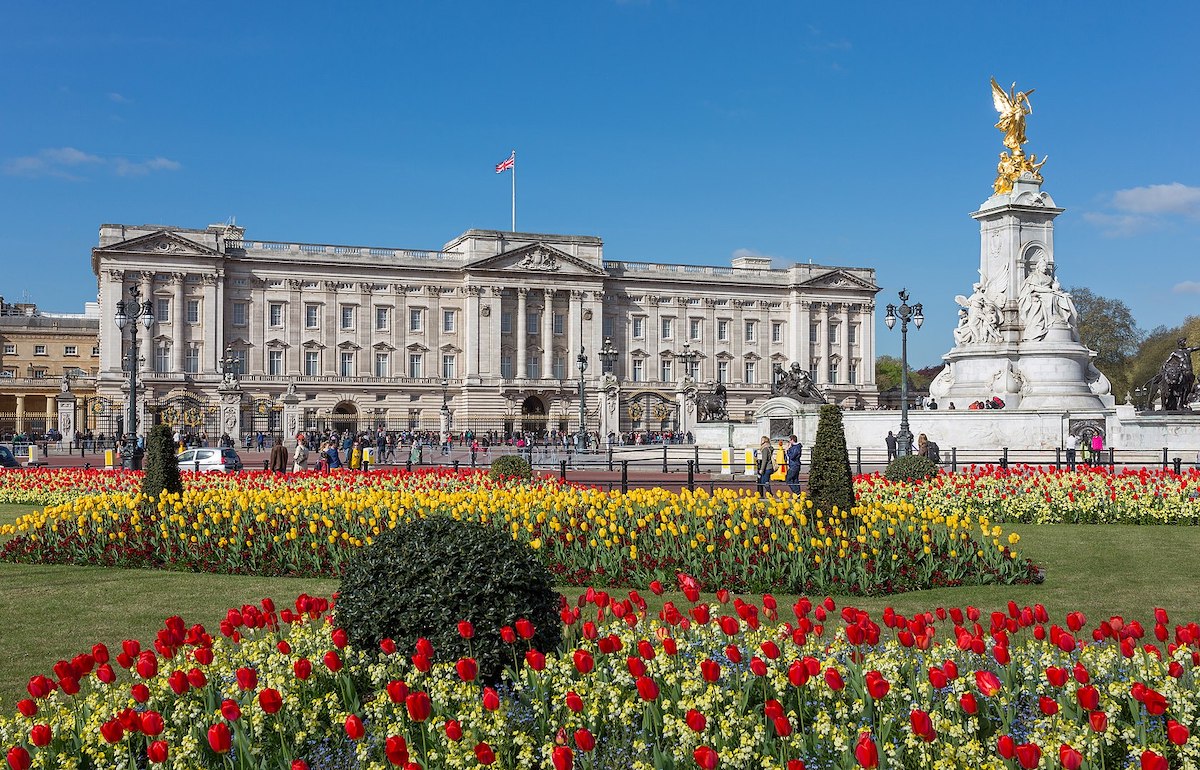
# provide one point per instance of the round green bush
(423, 577)
(511, 467)
(911, 468)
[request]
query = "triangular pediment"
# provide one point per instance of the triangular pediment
(536, 259)
(838, 279)
(161, 242)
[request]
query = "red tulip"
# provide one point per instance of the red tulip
(299, 764)
(196, 677)
(710, 670)
(354, 727)
(508, 635)
(1152, 760)
(396, 750)
(453, 730)
(158, 751)
(1048, 706)
(467, 669)
(647, 688)
(1088, 697)
(584, 662)
(387, 645)
(758, 666)
(491, 699)
(922, 725)
(968, 703)
(1098, 721)
(656, 587)
(563, 758)
(338, 637)
(270, 700)
(1056, 676)
(524, 628)
(1069, 758)
(865, 751)
(332, 661)
(40, 735)
(1029, 755)
(484, 754)
(1176, 733)
(18, 758)
(795, 764)
(877, 686)
(574, 702)
(397, 691)
(151, 723)
(112, 730)
(695, 720)
(218, 738)
(636, 667)
(706, 758)
(584, 740)
(783, 727)
(1006, 747)
(418, 705)
(27, 707)
(302, 668)
(987, 682)
(834, 679)
(147, 665)
(230, 710)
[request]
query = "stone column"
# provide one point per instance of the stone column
(866, 334)
(844, 340)
(231, 412)
(145, 341)
(472, 341)
(177, 319)
(291, 414)
(519, 332)
(20, 416)
(796, 336)
(548, 334)
(823, 343)
(609, 399)
(575, 326)
(214, 323)
(805, 329)
(293, 356)
(66, 416)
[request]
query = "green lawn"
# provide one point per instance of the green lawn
(48, 613)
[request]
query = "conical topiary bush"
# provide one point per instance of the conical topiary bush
(830, 482)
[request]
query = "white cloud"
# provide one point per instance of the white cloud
(1139, 209)
(69, 162)
(1186, 287)
(113, 96)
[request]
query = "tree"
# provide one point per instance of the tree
(830, 482)
(162, 466)
(1107, 326)
(887, 374)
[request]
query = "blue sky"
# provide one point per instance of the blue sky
(842, 133)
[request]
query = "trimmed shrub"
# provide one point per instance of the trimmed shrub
(423, 577)
(911, 468)
(162, 467)
(830, 482)
(511, 467)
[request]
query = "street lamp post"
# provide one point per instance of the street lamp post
(904, 313)
(608, 356)
(689, 358)
(581, 437)
(133, 310)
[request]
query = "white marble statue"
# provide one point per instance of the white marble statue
(978, 320)
(1043, 303)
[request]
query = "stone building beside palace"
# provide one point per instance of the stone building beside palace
(485, 333)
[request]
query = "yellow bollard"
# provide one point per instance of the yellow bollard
(780, 464)
(108, 459)
(750, 463)
(727, 461)
(33, 456)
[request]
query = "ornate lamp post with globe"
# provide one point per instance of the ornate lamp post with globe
(581, 437)
(131, 311)
(904, 438)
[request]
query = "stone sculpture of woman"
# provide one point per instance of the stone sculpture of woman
(1043, 304)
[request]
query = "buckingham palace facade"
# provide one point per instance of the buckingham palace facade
(484, 334)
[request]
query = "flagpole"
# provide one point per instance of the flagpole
(514, 191)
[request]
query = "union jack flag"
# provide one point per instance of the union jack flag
(507, 163)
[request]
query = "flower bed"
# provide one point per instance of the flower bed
(1036, 495)
(730, 685)
(309, 525)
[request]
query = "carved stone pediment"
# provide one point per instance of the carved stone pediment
(162, 242)
(536, 259)
(839, 279)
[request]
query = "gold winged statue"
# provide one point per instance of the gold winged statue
(1013, 106)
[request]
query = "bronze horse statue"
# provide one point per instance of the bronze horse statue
(1174, 381)
(710, 407)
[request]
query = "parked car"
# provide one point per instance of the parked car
(215, 459)
(7, 460)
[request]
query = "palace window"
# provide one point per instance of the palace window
(312, 316)
(381, 365)
(416, 365)
(346, 364)
(449, 366)
(383, 318)
(833, 333)
(750, 331)
(776, 331)
(275, 314)
(722, 371)
(239, 313)
(275, 363)
(833, 373)
(694, 326)
(560, 323)
(814, 333)
(39, 350)
(853, 372)
(162, 311)
(506, 323)
(10, 349)
(191, 359)
(609, 326)
(193, 311)
(71, 350)
(312, 363)
(347, 316)
(722, 331)
(853, 338)
(415, 319)
(162, 358)
(639, 328)
(751, 372)
(812, 370)
(560, 366)
(448, 321)
(666, 370)
(639, 370)
(666, 328)
(533, 367)
(533, 321)
(693, 369)
(506, 366)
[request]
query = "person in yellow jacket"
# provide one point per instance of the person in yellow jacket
(356, 456)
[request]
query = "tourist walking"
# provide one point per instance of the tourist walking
(279, 456)
(793, 456)
(300, 456)
(1071, 444)
(1097, 449)
(890, 441)
(764, 465)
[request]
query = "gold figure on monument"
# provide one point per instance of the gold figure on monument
(1013, 106)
